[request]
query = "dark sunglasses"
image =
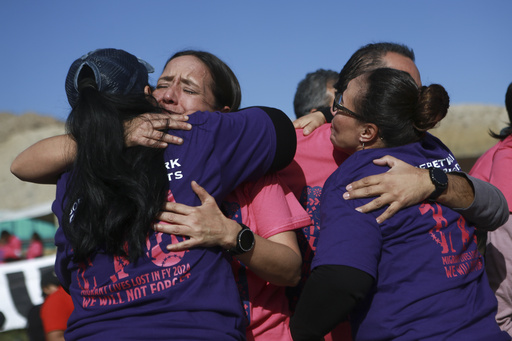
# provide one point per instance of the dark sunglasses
(337, 105)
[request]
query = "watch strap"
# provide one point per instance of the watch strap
(440, 181)
(244, 241)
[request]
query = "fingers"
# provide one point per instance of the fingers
(170, 218)
(168, 139)
(149, 130)
(201, 193)
(299, 123)
(388, 213)
(364, 187)
(386, 161)
(174, 213)
(165, 121)
(308, 129)
(179, 117)
(317, 119)
(168, 228)
(309, 122)
(392, 162)
(401, 186)
(180, 230)
(173, 124)
(175, 207)
(373, 205)
(181, 246)
(379, 202)
(175, 229)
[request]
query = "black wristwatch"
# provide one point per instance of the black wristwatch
(244, 241)
(440, 180)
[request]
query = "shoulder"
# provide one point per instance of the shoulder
(320, 135)
(430, 141)
(360, 164)
(231, 125)
(58, 297)
(505, 144)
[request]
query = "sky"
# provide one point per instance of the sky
(465, 45)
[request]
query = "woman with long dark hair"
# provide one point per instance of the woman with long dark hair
(124, 282)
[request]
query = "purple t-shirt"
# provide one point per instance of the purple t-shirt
(188, 295)
(430, 282)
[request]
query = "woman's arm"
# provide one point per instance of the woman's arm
(44, 161)
(479, 212)
(405, 185)
(276, 259)
(286, 140)
(329, 296)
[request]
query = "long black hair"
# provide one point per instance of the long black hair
(113, 193)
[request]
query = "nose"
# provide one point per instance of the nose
(170, 95)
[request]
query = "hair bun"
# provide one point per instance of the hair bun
(432, 107)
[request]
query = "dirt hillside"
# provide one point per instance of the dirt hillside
(16, 134)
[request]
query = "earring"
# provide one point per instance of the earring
(363, 144)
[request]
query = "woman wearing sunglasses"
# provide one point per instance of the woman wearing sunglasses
(416, 276)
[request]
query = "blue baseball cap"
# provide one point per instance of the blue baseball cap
(115, 71)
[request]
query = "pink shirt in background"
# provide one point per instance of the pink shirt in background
(35, 249)
(12, 249)
(315, 160)
(494, 167)
(267, 209)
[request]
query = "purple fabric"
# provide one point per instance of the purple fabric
(430, 279)
(188, 295)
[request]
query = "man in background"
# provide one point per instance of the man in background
(401, 186)
(315, 92)
(48, 321)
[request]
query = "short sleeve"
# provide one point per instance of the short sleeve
(274, 208)
(243, 151)
(347, 237)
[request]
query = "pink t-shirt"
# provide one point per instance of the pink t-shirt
(494, 167)
(12, 250)
(35, 249)
(267, 209)
(315, 160)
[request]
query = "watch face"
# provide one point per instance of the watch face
(246, 240)
(440, 177)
